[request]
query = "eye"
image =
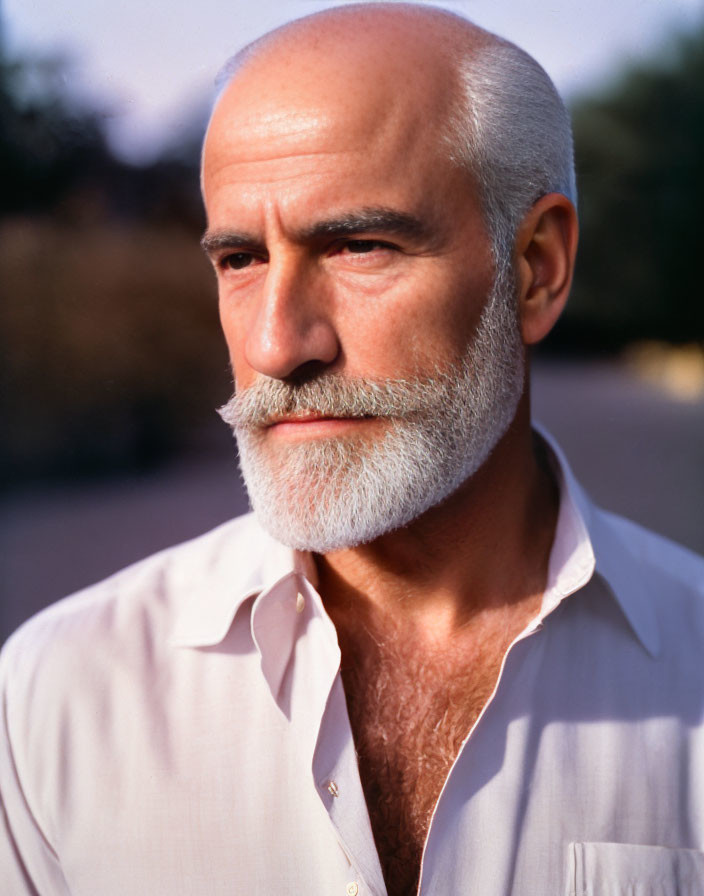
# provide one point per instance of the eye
(236, 261)
(364, 247)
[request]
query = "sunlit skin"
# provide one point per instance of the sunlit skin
(298, 286)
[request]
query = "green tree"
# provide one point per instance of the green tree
(640, 163)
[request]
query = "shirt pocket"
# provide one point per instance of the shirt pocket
(624, 869)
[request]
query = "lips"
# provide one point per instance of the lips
(315, 417)
(311, 424)
(303, 417)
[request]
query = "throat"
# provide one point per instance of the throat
(410, 709)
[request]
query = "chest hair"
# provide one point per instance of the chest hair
(410, 709)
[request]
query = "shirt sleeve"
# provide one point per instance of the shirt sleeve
(28, 864)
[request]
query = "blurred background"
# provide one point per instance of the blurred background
(111, 361)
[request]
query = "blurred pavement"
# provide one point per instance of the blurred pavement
(636, 449)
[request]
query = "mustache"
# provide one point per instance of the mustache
(332, 395)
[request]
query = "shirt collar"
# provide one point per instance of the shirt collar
(589, 540)
(219, 571)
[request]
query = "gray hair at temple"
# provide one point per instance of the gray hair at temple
(509, 129)
(512, 133)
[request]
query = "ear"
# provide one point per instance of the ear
(546, 246)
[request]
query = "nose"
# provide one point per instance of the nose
(291, 325)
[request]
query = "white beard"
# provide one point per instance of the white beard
(326, 494)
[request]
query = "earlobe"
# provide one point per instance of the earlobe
(546, 246)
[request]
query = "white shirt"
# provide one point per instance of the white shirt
(182, 729)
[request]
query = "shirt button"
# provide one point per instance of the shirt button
(352, 889)
(300, 602)
(333, 789)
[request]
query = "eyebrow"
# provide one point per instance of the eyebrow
(215, 240)
(367, 220)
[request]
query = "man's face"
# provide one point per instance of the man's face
(346, 245)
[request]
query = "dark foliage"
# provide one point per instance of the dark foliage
(54, 158)
(639, 150)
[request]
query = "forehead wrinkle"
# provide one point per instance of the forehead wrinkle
(269, 166)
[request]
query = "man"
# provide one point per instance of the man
(429, 664)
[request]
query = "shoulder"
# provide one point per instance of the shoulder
(655, 555)
(115, 616)
(658, 583)
(95, 680)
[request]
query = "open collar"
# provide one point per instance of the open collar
(218, 572)
(589, 541)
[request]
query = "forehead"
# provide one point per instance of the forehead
(366, 68)
(345, 121)
(312, 156)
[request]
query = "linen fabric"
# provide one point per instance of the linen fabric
(181, 728)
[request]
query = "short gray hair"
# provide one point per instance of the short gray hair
(512, 133)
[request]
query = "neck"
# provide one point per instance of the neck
(483, 551)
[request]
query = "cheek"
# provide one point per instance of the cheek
(414, 327)
(386, 328)
(229, 328)
(457, 309)
(234, 329)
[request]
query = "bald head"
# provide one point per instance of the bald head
(487, 105)
(376, 64)
(408, 38)
(358, 73)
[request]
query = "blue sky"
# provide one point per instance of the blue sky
(151, 64)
